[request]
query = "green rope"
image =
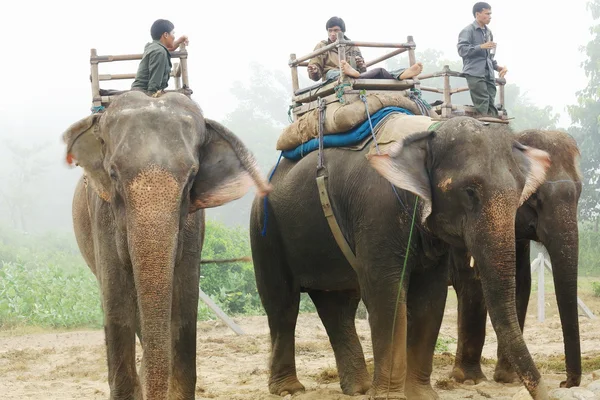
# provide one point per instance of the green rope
(400, 291)
(339, 91)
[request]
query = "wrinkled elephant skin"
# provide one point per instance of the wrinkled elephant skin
(151, 165)
(549, 217)
(469, 184)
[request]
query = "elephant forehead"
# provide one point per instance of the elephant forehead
(445, 184)
(153, 192)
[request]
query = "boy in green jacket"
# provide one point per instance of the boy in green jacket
(155, 68)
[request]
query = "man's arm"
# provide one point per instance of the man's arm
(157, 63)
(315, 65)
(466, 49)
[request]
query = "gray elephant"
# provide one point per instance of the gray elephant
(151, 165)
(549, 217)
(469, 181)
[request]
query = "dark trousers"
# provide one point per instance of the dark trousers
(483, 94)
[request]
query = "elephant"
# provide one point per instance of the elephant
(150, 168)
(549, 217)
(462, 182)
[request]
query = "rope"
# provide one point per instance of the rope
(423, 105)
(400, 289)
(339, 91)
(97, 109)
(264, 230)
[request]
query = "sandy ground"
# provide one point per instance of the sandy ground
(71, 365)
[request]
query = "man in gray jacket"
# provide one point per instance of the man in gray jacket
(477, 48)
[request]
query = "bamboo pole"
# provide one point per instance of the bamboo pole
(341, 54)
(447, 107)
(385, 57)
(295, 83)
(184, 67)
(412, 60)
(95, 81)
(376, 44)
(133, 57)
(316, 52)
(115, 77)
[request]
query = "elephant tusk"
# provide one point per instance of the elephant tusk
(472, 262)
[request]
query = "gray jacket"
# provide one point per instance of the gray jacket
(475, 59)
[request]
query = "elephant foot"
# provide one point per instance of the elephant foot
(385, 395)
(572, 381)
(472, 375)
(420, 392)
(356, 388)
(286, 386)
(506, 376)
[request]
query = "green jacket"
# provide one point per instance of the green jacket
(155, 68)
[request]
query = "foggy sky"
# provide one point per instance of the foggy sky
(45, 64)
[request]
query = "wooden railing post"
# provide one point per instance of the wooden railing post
(341, 54)
(502, 98)
(295, 83)
(412, 60)
(95, 81)
(447, 107)
(177, 75)
(184, 65)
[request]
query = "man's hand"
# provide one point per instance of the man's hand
(182, 39)
(502, 71)
(312, 69)
(360, 62)
(488, 45)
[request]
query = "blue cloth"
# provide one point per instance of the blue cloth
(353, 136)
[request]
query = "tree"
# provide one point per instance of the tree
(20, 189)
(586, 129)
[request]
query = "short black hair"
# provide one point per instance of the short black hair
(479, 7)
(336, 21)
(159, 27)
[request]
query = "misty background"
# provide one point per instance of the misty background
(238, 70)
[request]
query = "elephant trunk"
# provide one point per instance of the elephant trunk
(154, 198)
(563, 247)
(492, 244)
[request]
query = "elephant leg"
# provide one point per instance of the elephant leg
(426, 302)
(379, 290)
(472, 315)
(280, 297)
(338, 311)
(184, 314)
(504, 372)
(119, 306)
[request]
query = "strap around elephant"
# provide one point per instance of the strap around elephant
(333, 225)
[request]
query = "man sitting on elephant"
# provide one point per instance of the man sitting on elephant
(155, 68)
(326, 66)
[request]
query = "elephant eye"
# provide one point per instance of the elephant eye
(470, 192)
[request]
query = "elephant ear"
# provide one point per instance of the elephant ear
(533, 163)
(84, 148)
(226, 171)
(404, 164)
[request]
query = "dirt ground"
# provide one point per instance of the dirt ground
(71, 365)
